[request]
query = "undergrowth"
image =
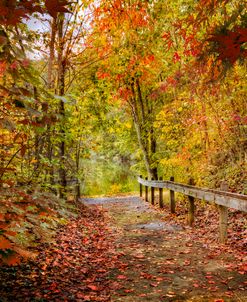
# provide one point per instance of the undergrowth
(28, 218)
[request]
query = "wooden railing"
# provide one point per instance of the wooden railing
(221, 197)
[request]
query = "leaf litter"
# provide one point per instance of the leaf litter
(101, 256)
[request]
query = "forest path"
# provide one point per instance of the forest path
(163, 262)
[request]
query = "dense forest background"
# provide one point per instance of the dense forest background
(98, 92)
(93, 93)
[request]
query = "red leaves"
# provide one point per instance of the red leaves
(5, 243)
(121, 277)
(3, 67)
(7, 255)
(168, 39)
(242, 270)
(176, 57)
(14, 65)
(124, 93)
(93, 287)
(2, 217)
(12, 259)
(187, 262)
(13, 11)
(69, 266)
(102, 75)
(229, 44)
(56, 6)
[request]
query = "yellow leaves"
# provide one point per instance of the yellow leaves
(128, 125)
(115, 188)
(174, 161)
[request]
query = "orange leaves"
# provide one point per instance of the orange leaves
(102, 75)
(168, 39)
(12, 259)
(5, 243)
(138, 17)
(93, 287)
(2, 217)
(56, 6)
(120, 14)
(3, 67)
(8, 256)
(124, 93)
(148, 59)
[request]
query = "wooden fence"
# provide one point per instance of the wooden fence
(221, 197)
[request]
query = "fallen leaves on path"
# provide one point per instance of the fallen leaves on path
(96, 259)
(75, 268)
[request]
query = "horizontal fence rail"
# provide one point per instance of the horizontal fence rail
(221, 198)
(227, 199)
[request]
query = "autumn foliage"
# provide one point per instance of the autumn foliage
(157, 87)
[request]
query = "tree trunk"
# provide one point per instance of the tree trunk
(50, 79)
(144, 128)
(140, 140)
(51, 85)
(153, 145)
(61, 87)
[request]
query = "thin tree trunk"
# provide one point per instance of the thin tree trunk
(140, 99)
(205, 141)
(78, 185)
(153, 145)
(50, 85)
(50, 79)
(61, 88)
(140, 140)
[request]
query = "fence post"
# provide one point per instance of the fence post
(152, 194)
(172, 198)
(223, 212)
(191, 212)
(146, 191)
(140, 187)
(161, 205)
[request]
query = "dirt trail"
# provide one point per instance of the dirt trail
(162, 262)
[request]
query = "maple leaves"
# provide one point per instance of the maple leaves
(13, 12)
(229, 45)
(56, 6)
(5, 243)
(76, 266)
(87, 264)
(3, 67)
